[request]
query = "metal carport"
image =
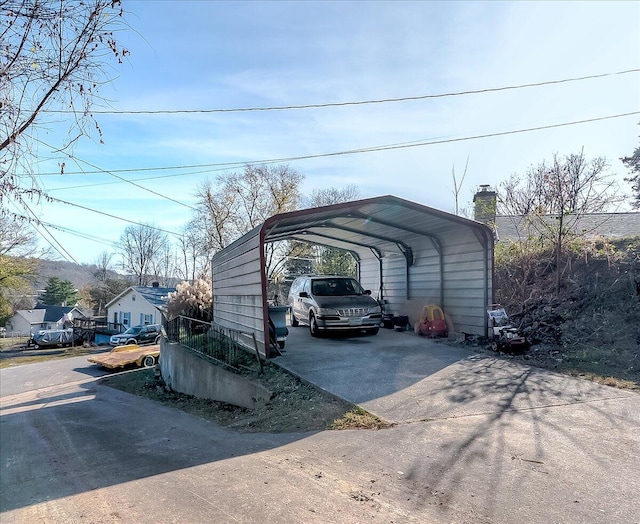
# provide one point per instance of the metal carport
(408, 254)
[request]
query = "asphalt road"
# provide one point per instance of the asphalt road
(81, 452)
(44, 374)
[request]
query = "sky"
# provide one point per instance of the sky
(222, 55)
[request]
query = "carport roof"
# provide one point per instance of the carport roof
(385, 224)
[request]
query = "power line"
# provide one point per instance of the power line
(159, 177)
(70, 231)
(345, 104)
(53, 242)
(356, 151)
(135, 184)
(387, 147)
(53, 199)
(100, 170)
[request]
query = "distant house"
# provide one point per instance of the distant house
(139, 305)
(514, 227)
(28, 321)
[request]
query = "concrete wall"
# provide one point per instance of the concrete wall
(187, 372)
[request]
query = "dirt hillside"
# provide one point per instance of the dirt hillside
(590, 323)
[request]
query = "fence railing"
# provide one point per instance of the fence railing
(227, 347)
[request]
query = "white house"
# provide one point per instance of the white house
(27, 321)
(139, 305)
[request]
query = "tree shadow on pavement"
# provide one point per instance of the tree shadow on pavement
(515, 425)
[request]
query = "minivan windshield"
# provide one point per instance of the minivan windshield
(335, 287)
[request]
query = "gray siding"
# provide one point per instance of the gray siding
(466, 287)
(467, 276)
(237, 287)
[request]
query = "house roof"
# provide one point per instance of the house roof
(610, 225)
(32, 316)
(55, 313)
(156, 296)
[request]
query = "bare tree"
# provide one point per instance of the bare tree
(214, 219)
(458, 186)
(194, 257)
(554, 196)
(140, 246)
(107, 286)
(103, 265)
(261, 192)
(163, 265)
(332, 195)
(241, 201)
(52, 60)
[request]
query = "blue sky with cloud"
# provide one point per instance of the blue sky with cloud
(217, 55)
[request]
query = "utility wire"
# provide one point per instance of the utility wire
(122, 179)
(344, 104)
(69, 231)
(53, 199)
(405, 145)
(348, 152)
(159, 177)
(53, 242)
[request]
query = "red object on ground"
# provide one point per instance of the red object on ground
(432, 322)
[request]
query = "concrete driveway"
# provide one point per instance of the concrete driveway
(478, 440)
(404, 378)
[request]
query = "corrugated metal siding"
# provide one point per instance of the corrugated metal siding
(459, 278)
(424, 280)
(465, 282)
(370, 274)
(237, 287)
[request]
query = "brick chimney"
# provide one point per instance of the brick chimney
(484, 205)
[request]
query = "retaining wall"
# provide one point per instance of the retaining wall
(187, 372)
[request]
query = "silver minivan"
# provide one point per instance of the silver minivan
(333, 303)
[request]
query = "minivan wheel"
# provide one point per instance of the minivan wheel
(294, 320)
(313, 326)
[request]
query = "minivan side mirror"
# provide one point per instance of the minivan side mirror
(304, 294)
(367, 291)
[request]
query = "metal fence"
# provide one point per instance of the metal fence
(227, 347)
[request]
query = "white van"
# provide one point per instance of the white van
(333, 303)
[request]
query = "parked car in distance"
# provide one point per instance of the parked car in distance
(149, 334)
(333, 303)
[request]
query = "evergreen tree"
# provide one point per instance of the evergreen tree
(59, 293)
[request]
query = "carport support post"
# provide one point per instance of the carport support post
(486, 241)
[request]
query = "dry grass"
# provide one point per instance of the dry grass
(295, 406)
(18, 356)
(358, 418)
